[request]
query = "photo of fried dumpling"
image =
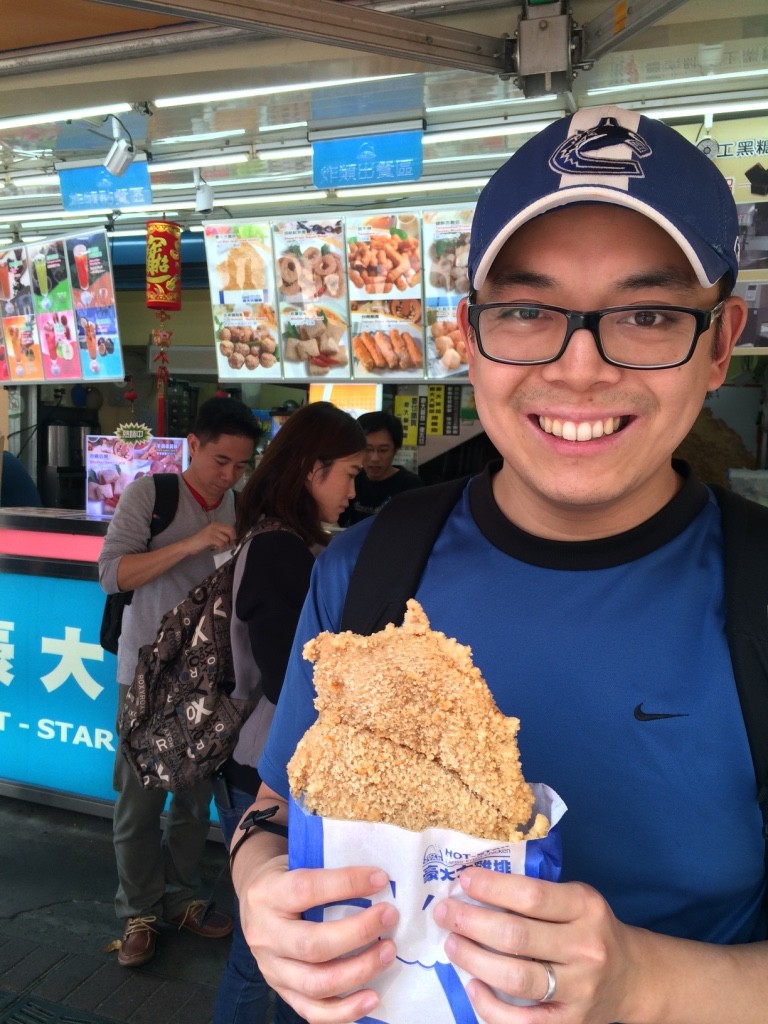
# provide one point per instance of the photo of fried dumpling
(408, 733)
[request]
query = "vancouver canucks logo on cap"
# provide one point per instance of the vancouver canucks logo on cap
(585, 152)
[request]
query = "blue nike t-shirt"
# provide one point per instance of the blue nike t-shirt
(612, 653)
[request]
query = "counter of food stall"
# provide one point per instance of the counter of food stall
(58, 694)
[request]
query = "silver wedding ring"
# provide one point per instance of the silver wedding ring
(549, 995)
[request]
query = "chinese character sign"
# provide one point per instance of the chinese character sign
(58, 693)
(163, 266)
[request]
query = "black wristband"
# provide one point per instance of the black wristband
(257, 820)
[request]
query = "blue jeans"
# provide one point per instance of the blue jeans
(243, 996)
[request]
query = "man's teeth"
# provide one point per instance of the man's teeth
(582, 431)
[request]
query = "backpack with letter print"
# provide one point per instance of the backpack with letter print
(179, 721)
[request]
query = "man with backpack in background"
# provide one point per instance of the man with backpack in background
(594, 581)
(158, 870)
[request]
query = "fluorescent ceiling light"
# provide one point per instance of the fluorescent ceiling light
(672, 82)
(701, 109)
(33, 181)
(466, 158)
(277, 197)
(55, 222)
(549, 98)
(159, 166)
(282, 127)
(264, 90)
(491, 131)
(173, 140)
(79, 114)
(262, 179)
(10, 240)
(413, 186)
(67, 216)
(285, 153)
(14, 197)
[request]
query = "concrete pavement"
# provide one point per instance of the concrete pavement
(57, 881)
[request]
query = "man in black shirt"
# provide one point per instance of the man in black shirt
(379, 480)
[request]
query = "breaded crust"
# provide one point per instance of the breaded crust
(409, 733)
(355, 775)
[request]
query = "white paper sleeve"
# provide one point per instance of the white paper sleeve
(423, 867)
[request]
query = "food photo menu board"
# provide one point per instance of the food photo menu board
(57, 312)
(242, 283)
(312, 288)
(446, 280)
(113, 462)
(385, 291)
(365, 297)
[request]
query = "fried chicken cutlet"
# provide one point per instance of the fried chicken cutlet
(408, 733)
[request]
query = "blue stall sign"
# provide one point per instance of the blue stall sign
(94, 188)
(58, 687)
(367, 160)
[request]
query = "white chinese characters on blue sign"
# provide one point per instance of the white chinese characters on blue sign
(367, 160)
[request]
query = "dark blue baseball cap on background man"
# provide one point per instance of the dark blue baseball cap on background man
(611, 155)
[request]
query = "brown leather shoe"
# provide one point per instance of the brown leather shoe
(213, 926)
(138, 943)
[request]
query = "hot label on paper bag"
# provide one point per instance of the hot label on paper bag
(423, 867)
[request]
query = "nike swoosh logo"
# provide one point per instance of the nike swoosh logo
(646, 716)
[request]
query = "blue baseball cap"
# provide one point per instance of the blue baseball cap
(611, 155)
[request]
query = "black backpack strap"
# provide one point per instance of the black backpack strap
(394, 553)
(745, 538)
(166, 502)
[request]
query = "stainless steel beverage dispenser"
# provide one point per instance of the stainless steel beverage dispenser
(61, 462)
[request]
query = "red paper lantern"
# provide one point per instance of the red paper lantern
(163, 272)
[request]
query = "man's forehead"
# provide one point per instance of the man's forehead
(576, 230)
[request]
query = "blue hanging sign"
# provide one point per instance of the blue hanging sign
(367, 160)
(94, 188)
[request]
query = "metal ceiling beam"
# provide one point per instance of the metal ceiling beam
(620, 22)
(158, 42)
(326, 21)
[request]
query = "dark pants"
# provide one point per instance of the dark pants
(243, 996)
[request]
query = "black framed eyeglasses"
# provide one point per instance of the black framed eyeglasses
(641, 337)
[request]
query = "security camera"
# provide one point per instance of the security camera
(708, 147)
(119, 158)
(203, 198)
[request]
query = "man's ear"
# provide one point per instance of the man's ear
(467, 334)
(733, 320)
(193, 445)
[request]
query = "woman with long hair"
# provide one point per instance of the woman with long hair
(303, 483)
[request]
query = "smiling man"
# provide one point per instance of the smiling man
(585, 569)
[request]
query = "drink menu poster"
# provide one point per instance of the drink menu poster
(93, 297)
(241, 278)
(21, 347)
(54, 312)
(311, 279)
(57, 312)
